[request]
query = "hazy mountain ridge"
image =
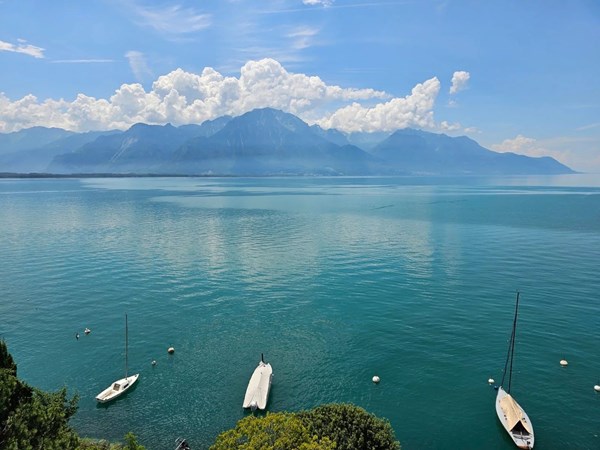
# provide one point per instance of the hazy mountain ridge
(420, 152)
(34, 152)
(30, 138)
(261, 142)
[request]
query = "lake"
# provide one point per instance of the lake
(335, 280)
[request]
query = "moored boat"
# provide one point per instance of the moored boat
(119, 387)
(514, 419)
(512, 416)
(257, 393)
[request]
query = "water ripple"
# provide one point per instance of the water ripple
(334, 280)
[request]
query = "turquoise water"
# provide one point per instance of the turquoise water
(333, 279)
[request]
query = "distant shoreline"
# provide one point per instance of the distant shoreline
(101, 175)
(34, 175)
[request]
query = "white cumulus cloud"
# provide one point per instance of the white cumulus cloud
(22, 47)
(181, 97)
(447, 126)
(516, 145)
(415, 110)
(459, 81)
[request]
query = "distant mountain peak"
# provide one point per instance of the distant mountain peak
(266, 115)
(146, 126)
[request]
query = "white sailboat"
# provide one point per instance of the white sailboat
(119, 387)
(513, 417)
(257, 393)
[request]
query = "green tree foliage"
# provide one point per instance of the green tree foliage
(131, 442)
(31, 419)
(279, 431)
(12, 391)
(91, 444)
(350, 427)
(6, 359)
(333, 426)
(42, 423)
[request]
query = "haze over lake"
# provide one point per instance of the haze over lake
(333, 279)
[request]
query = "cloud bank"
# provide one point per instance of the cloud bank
(182, 97)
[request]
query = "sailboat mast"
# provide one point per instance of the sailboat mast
(514, 337)
(126, 343)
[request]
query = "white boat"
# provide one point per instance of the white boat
(512, 416)
(119, 387)
(257, 393)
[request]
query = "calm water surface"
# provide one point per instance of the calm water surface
(333, 279)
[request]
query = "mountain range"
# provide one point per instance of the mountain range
(262, 142)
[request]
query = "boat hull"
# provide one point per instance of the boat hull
(520, 436)
(117, 388)
(257, 393)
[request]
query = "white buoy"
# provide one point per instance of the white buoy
(153, 362)
(597, 388)
(491, 381)
(87, 331)
(376, 379)
(171, 350)
(564, 363)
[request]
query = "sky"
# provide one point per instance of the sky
(514, 75)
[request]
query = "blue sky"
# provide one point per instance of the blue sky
(513, 75)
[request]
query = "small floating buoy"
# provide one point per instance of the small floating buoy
(376, 379)
(564, 363)
(597, 388)
(87, 331)
(491, 381)
(77, 336)
(153, 362)
(171, 350)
